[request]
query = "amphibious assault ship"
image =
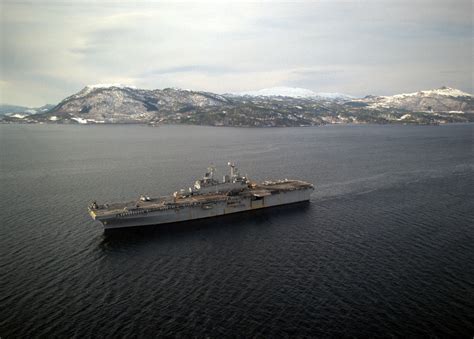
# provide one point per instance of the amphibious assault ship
(207, 198)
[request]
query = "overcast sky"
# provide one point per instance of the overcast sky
(51, 49)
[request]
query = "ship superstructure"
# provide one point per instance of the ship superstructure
(207, 198)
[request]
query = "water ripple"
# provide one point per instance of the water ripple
(383, 248)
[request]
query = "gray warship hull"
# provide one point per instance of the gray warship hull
(166, 210)
(206, 199)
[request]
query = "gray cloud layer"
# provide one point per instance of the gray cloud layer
(50, 49)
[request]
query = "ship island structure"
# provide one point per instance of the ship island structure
(207, 198)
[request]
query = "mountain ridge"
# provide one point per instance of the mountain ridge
(116, 103)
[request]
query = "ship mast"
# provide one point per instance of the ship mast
(232, 169)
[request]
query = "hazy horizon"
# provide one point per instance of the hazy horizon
(52, 49)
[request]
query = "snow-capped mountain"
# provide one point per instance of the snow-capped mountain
(293, 92)
(443, 91)
(125, 104)
(334, 95)
(443, 99)
(271, 107)
(91, 88)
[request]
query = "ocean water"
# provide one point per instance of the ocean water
(384, 248)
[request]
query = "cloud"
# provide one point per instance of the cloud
(51, 49)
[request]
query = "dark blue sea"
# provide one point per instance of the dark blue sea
(384, 248)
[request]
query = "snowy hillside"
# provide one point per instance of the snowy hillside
(443, 99)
